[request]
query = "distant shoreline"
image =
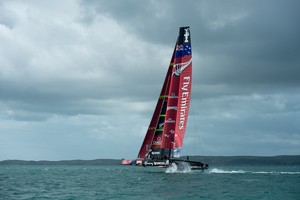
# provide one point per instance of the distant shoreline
(211, 160)
(63, 162)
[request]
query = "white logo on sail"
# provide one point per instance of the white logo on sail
(172, 108)
(156, 142)
(173, 95)
(170, 120)
(180, 67)
(186, 35)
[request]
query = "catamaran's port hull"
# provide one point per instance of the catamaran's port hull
(194, 165)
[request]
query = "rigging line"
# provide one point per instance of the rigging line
(194, 134)
(197, 141)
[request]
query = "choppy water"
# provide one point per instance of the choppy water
(130, 182)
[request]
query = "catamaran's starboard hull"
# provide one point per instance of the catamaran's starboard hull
(193, 165)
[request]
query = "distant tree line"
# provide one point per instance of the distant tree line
(211, 160)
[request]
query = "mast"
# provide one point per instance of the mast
(167, 127)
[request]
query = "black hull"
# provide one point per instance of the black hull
(194, 165)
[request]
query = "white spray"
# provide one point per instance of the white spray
(180, 167)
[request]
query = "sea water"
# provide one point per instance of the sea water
(131, 182)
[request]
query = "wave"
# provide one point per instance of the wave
(275, 172)
(221, 171)
(181, 168)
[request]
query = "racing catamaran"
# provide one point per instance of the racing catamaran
(164, 138)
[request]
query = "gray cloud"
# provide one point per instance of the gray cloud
(83, 77)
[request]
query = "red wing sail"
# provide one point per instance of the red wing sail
(179, 96)
(166, 131)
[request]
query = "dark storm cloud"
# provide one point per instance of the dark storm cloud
(255, 42)
(262, 49)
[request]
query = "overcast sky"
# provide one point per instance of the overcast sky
(80, 79)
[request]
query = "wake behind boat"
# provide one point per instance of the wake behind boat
(164, 138)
